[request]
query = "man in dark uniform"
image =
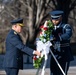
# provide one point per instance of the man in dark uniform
(13, 60)
(61, 43)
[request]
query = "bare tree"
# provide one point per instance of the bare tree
(35, 12)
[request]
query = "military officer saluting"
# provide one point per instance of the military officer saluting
(13, 60)
(61, 40)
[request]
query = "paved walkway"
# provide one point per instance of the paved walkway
(72, 71)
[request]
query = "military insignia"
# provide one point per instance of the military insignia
(15, 33)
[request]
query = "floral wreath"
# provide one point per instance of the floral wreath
(46, 31)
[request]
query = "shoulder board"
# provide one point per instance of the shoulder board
(15, 33)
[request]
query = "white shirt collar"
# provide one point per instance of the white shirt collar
(55, 27)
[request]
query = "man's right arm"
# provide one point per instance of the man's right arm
(18, 44)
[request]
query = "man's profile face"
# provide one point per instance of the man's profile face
(18, 28)
(56, 21)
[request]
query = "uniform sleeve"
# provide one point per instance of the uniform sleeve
(67, 34)
(18, 44)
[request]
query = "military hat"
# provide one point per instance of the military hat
(17, 21)
(56, 14)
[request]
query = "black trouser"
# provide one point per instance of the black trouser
(55, 70)
(11, 71)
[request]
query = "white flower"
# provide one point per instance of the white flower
(44, 40)
(45, 24)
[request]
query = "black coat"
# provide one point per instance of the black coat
(62, 36)
(14, 51)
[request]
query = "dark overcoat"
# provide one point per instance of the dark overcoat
(14, 51)
(63, 34)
